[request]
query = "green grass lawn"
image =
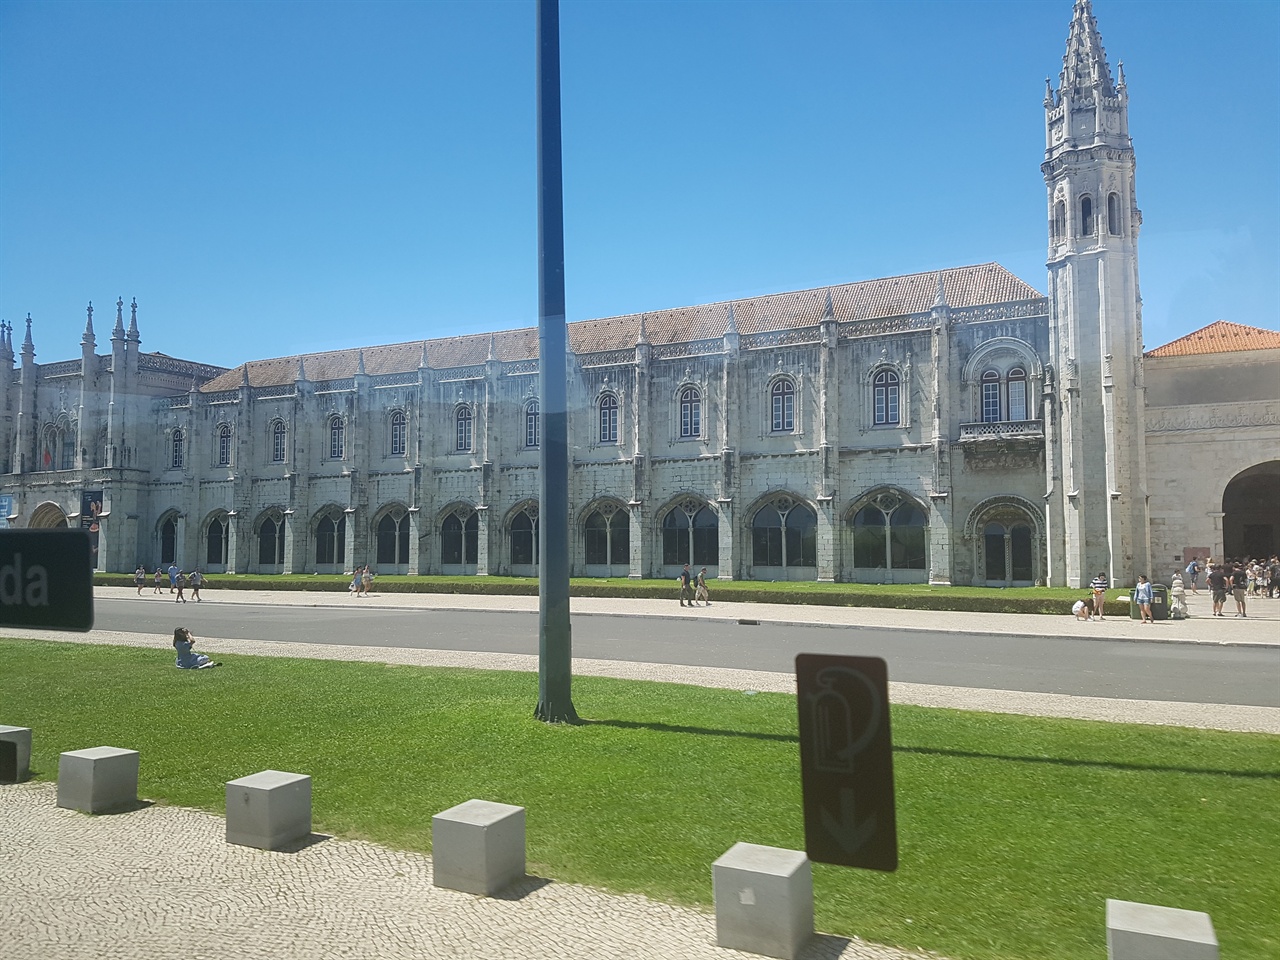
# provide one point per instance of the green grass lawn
(1013, 831)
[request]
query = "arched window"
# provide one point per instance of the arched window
(1086, 216)
(607, 536)
(393, 539)
(784, 534)
(531, 423)
(1008, 550)
(990, 396)
(1017, 391)
(399, 436)
(69, 449)
(224, 445)
(169, 541)
(337, 439)
(1059, 221)
(271, 541)
(176, 460)
(460, 539)
(886, 397)
(890, 533)
(608, 418)
(462, 420)
(524, 538)
(783, 406)
(690, 413)
(215, 539)
(277, 442)
(49, 449)
(331, 539)
(691, 534)
(1113, 214)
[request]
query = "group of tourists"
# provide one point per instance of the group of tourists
(693, 589)
(179, 581)
(361, 581)
(1241, 579)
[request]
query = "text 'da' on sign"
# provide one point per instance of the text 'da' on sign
(46, 579)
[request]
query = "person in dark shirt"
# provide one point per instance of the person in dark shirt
(1218, 587)
(1239, 586)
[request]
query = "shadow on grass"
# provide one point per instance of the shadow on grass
(943, 752)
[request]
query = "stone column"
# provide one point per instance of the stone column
(233, 543)
(486, 559)
(729, 554)
(828, 533)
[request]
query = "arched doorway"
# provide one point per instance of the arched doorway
(1251, 513)
(1008, 546)
(48, 516)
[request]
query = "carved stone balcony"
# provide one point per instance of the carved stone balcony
(1002, 430)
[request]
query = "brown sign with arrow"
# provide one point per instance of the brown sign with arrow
(846, 761)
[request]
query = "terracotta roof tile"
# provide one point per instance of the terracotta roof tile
(987, 283)
(1222, 336)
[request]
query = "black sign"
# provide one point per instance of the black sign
(90, 514)
(45, 579)
(846, 761)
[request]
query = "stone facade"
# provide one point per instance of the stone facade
(950, 427)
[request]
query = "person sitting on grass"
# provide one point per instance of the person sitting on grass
(188, 659)
(1083, 609)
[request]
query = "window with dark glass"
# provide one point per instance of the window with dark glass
(524, 539)
(1113, 214)
(608, 418)
(1086, 216)
(462, 420)
(216, 542)
(890, 532)
(460, 539)
(176, 460)
(783, 403)
(531, 423)
(277, 442)
(607, 537)
(224, 445)
(393, 539)
(784, 538)
(691, 535)
(169, 541)
(885, 388)
(331, 540)
(399, 434)
(271, 542)
(690, 413)
(337, 439)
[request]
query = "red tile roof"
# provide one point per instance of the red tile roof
(1221, 336)
(979, 285)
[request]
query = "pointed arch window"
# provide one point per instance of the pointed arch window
(784, 534)
(783, 404)
(524, 537)
(277, 442)
(890, 533)
(1113, 214)
(690, 413)
(607, 536)
(271, 541)
(331, 539)
(460, 539)
(169, 541)
(393, 539)
(608, 419)
(532, 423)
(1059, 221)
(224, 445)
(215, 539)
(399, 434)
(691, 534)
(337, 438)
(177, 458)
(462, 423)
(885, 391)
(1086, 216)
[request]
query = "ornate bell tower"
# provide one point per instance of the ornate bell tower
(1096, 492)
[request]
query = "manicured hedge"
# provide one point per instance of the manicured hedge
(916, 597)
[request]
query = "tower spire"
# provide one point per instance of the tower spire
(88, 339)
(118, 332)
(1084, 67)
(133, 321)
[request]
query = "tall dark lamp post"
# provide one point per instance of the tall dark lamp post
(555, 659)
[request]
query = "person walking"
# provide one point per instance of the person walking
(1217, 587)
(159, 579)
(173, 576)
(355, 582)
(1193, 573)
(180, 581)
(197, 581)
(366, 580)
(1099, 586)
(1239, 586)
(1142, 597)
(701, 592)
(686, 594)
(140, 578)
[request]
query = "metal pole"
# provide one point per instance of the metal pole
(555, 661)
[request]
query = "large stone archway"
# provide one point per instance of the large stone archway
(1251, 512)
(48, 516)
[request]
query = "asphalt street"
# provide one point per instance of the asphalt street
(1191, 673)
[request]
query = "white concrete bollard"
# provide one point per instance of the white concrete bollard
(764, 900)
(1141, 931)
(478, 847)
(98, 779)
(15, 741)
(268, 810)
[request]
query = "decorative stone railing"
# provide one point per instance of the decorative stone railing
(1002, 430)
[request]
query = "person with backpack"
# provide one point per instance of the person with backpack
(1193, 573)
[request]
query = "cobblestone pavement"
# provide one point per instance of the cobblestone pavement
(160, 882)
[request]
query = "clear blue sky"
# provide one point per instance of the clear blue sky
(270, 178)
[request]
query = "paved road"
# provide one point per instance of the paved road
(1190, 673)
